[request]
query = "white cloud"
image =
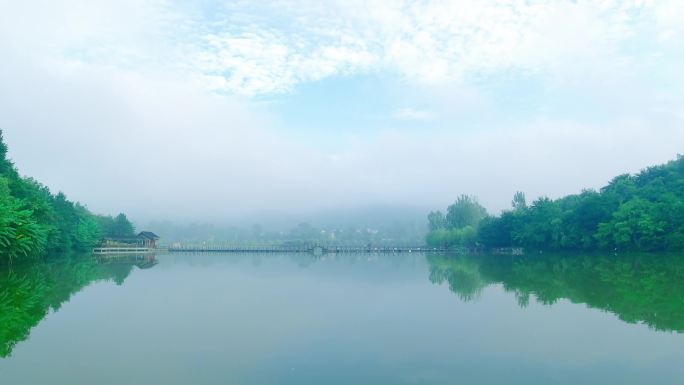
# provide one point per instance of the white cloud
(428, 42)
(545, 157)
(410, 114)
(111, 89)
(267, 62)
(161, 148)
(270, 47)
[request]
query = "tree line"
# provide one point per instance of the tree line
(642, 212)
(35, 222)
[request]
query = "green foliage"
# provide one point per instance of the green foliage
(115, 227)
(519, 201)
(461, 272)
(459, 227)
(633, 212)
(540, 225)
(461, 237)
(436, 221)
(637, 224)
(465, 211)
(496, 232)
(34, 222)
(5, 164)
(87, 233)
(21, 236)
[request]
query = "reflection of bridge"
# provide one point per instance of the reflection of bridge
(145, 261)
(315, 249)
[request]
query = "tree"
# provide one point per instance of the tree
(459, 226)
(541, 225)
(620, 189)
(34, 222)
(123, 227)
(86, 234)
(519, 202)
(465, 211)
(5, 164)
(633, 212)
(496, 232)
(21, 236)
(635, 226)
(436, 221)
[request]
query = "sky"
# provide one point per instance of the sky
(223, 110)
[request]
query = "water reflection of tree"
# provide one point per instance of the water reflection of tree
(460, 272)
(645, 289)
(28, 292)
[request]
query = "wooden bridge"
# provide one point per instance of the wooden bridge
(123, 250)
(315, 249)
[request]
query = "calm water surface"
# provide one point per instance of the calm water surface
(356, 319)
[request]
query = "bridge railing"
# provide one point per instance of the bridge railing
(302, 248)
(120, 250)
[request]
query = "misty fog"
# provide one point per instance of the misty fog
(115, 111)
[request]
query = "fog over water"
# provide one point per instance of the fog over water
(158, 110)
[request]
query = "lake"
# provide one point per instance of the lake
(343, 319)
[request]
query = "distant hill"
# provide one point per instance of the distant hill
(395, 225)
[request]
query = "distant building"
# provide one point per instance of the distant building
(148, 239)
(145, 239)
